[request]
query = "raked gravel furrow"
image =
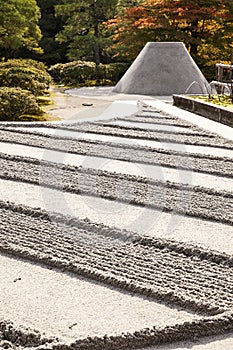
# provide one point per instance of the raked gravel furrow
(200, 139)
(152, 126)
(154, 269)
(130, 153)
(171, 272)
(155, 120)
(21, 338)
(161, 118)
(118, 124)
(182, 199)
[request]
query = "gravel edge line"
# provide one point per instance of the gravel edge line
(188, 249)
(193, 330)
(44, 176)
(220, 142)
(116, 145)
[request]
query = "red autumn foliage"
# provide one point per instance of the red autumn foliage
(197, 23)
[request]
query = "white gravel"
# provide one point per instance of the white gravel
(60, 304)
(154, 144)
(175, 129)
(208, 343)
(155, 172)
(63, 305)
(154, 223)
(205, 123)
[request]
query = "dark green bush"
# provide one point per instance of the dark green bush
(73, 72)
(20, 62)
(114, 71)
(31, 79)
(80, 72)
(27, 74)
(15, 102)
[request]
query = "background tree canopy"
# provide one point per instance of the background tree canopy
(106, 31)
(50, 26)
(84, 31)
(205, 26)
(19, 26)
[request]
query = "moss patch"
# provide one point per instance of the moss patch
(220, 100)
(45, 117)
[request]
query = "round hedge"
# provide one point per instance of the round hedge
(31, 79)
(78, 72)
(15, 102)
(23, 62)
(25, 73)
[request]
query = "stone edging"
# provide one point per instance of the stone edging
(207, 110)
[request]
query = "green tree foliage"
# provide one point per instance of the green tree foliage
(84, 31)
(123, 5)
(50, 26)
(19, 26)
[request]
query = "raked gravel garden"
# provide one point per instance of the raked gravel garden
(116, 233)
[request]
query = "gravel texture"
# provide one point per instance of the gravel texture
(182, 199)
(151, 267)
(150, 222)
(168, 129)
(12, 337)
(31, 286)
(198, 138)
(146, 337)
(158, 120)
(214, 165)
(191, 134)
(176, 273)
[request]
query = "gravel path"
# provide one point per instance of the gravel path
(182, 199)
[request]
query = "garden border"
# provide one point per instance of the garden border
(205, 109)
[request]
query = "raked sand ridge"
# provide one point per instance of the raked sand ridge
(115, 234)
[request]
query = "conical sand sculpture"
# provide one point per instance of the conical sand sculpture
(163, 69)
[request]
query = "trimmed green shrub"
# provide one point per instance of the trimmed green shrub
(73, 72)
(114, 71)
(27, 74)
(32, 79)
(56, 72)
(23, 62)
(80, 72)
(15, 102)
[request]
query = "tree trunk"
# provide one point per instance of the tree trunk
(194, 35)
(97, 48)
(193, 49)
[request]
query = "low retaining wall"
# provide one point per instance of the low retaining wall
(219, 114)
